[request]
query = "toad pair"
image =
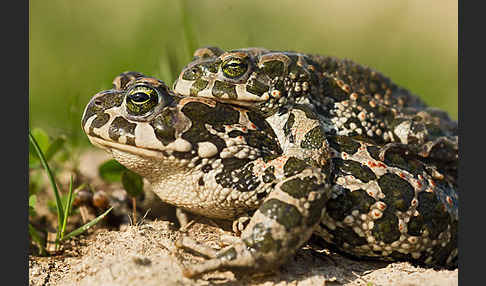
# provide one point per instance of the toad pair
(288, 145)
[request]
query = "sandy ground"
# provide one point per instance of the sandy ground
(145, 254)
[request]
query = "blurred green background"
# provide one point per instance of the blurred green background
(76, 48)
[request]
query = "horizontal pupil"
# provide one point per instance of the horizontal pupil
(235, 65)
(139, 97)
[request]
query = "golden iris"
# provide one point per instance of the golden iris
(234, 67)
(141, 99)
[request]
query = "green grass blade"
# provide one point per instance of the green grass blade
(60, 211)
(69, 201)
(86, 226)
(36, 238)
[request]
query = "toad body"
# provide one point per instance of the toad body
(348, 99)
(350, 104)
(278, 162)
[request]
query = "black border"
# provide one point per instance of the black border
(14, 138)
(471, 144)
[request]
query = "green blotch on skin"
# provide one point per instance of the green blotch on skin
(259, 121)
(213, 66)
(261, 240)
(201, 114)
(294, 166)
(256, 87)
(263, 139)
(285, 214)
(182, 155)
(350, 167)
(100, 120)
(273, 68)
(315, 209)
(268, 175)
(342, 205)
(347, 235)
(221, 88)
(233, 163)
(164, 127)
(197, 86)
(265, 142)
(397, 160)
(344, 144)
(361, 200)
(111, 100)
(293, 68)
(289, 124)
(398, 192)
(416, 225)
(101, 103)
(386, 228)
(217, 116)
(374, 152)
(313, 139)
(120, 126)
(435, 216)
(338, 208)
(192, 74)
(299, 188)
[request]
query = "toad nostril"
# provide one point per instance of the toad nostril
(98, 102)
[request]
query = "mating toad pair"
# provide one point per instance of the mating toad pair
(288, 145)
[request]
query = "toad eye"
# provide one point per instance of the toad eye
(234, 67)
(141, 99)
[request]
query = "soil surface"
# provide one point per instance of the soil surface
(145, 254)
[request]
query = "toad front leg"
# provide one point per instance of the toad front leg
(283, 222)
(298, 189)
